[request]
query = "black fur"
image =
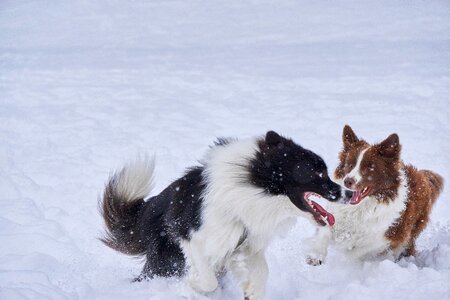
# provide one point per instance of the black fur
(281, 167)
(166, 218)
(152, 228)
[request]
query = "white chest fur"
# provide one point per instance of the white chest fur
(360, 229)
(233, 208)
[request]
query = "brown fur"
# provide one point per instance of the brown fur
(424, 188)
(380, 170)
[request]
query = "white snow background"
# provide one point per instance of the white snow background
(85, 85)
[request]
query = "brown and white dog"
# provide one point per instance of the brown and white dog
(391, 202)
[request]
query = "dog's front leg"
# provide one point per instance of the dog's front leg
(201, 275)
(317, 246)
(251, 270)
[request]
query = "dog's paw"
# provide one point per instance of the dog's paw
(313, 261)
(249, 295)
(253, 291)
(204, 284)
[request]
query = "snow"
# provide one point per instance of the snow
(85, 85)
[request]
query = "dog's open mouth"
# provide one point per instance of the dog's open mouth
(359, 195)
(321, 216)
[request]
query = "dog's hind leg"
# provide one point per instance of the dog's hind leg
(317, 246)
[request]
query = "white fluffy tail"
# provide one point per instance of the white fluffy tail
(135, 180)
(122, 201)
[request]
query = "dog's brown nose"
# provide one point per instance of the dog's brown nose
(349, 182)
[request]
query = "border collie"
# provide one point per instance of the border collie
(391, 202)
(220, 215)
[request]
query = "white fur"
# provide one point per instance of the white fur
(232, 208)
(135, 180)
(356, 171)
(360, 229)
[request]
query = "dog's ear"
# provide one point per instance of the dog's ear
(273, 139)
(390, 147)
(348, 137)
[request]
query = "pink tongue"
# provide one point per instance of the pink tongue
(323, 212)
(356, 198)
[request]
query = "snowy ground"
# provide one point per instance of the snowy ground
(84, 85)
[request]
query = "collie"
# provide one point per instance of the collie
(391, 202)
(220, 215)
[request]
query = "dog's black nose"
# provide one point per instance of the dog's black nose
(349, 182)
(348, 194)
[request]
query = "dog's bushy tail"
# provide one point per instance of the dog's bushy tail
(121, 205)
(437, 183)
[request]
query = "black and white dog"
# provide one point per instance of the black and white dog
(220, 215)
